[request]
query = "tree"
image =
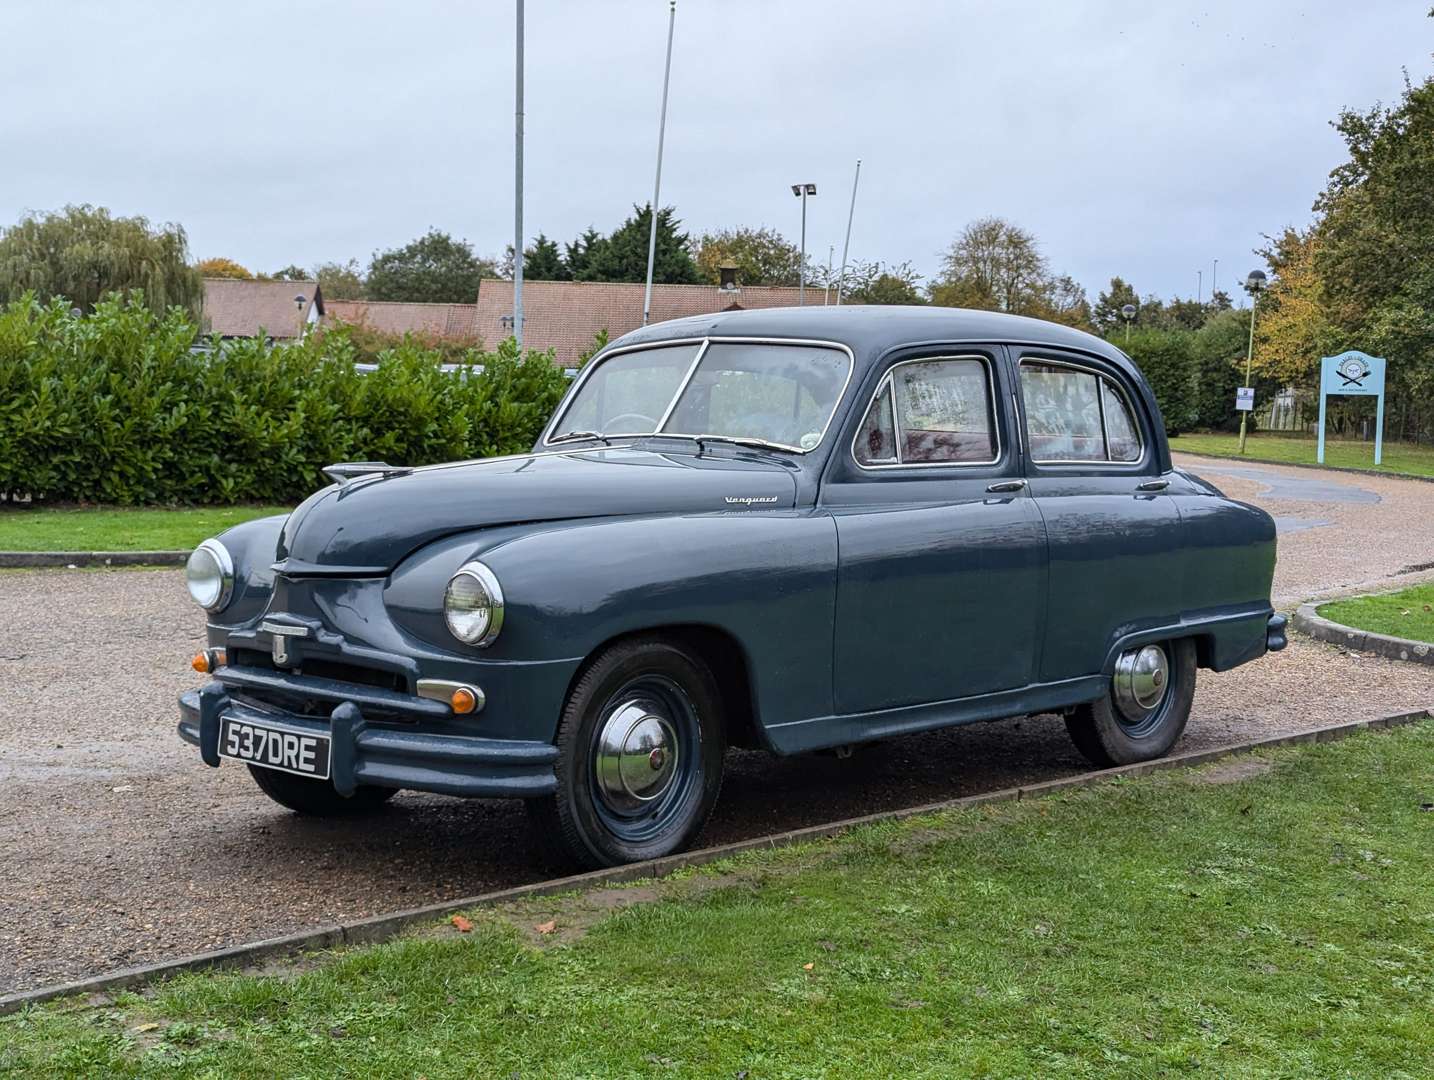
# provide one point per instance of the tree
(82, 253)
(622, 256)
(288, 273)
(878, 283)
(1106, 316)
(994, 265)
(340, 281)
(434, 269)
(1293, 330)
(762, 256)
(220, 267)
(579, 254)
(1374, 249)
(541, 262)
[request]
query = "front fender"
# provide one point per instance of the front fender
(251, 544)
(766, 578)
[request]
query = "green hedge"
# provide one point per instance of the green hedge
(117, 407)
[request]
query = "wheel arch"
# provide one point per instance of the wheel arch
(724, 654)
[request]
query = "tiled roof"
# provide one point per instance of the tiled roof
(449, 321)
(565, 315)
(235, 308)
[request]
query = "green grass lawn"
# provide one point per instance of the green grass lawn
(1258, 917)
(119, 530)
(1408, 458)
(1408, 613)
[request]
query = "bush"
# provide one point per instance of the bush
(118, 407)
(1164, 357)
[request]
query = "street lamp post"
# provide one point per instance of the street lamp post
(802, 191)
(1128, 314)
(1256, 284)
(299, 302)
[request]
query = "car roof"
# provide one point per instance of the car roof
(869, 330)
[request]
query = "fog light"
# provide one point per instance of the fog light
(463, 700)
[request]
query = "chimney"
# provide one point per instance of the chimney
(729, 278)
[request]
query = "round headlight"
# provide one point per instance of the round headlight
(210, 575)
(473, 605)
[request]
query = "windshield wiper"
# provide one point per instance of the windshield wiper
(743, 440)
(569, 436)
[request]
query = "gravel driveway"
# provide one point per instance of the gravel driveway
(120, 847)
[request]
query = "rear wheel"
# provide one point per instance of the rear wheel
(640, 747)
(317, 798)
(1145, 709)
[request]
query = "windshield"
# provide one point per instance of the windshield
(782, 394)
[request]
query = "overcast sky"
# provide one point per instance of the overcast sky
(1133, 138)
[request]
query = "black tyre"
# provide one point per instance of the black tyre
(317, 798)
(640, 747)
(1145, 709)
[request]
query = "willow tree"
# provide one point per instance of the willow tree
(82, 253)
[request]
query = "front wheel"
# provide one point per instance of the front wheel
(317, 798)
(640, 747)
(1144, 710)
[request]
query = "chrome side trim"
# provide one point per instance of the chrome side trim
(1100, 377)
(704, 341)
(443, 689)
(886, 384)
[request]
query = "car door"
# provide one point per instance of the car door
(941, 573)
(1113, 534)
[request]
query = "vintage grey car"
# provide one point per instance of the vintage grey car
(795, 530)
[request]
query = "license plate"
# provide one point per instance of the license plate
(274, 748)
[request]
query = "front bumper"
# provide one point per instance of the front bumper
(472, 766)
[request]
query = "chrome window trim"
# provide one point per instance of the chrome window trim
(704, 342)
(1100, 377)
(886, 384)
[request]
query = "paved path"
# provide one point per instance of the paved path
(121, 848)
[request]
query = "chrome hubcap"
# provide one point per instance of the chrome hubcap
(636, 755)
(1141, 678)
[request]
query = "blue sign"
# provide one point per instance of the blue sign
(1357, 374)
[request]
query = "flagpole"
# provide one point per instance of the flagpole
(657, 184)
(841, 281)
(518, 189)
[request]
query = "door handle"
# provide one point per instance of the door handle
(1005, 486)
(1153, 485)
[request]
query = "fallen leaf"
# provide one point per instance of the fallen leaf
(547, 927)
(808, 967)
(147, 1027)
(463, 925)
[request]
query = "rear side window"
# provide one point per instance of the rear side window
(1075, 415)
(930, 412)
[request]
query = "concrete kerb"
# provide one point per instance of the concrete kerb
(11, 560)
(1308, 620)
(380, 928)
(1306, 465)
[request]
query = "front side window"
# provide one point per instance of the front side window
(781, 394)
(1075, 415)
(930, 412)
(630, 392)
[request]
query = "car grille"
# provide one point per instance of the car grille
(319, 668)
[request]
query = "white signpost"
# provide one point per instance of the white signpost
(1245, 398)
(1356, 374)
